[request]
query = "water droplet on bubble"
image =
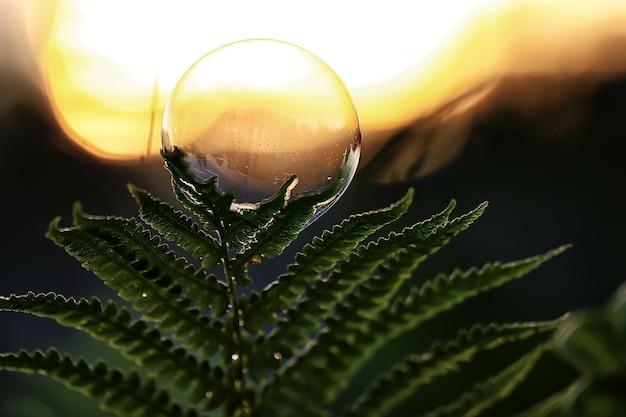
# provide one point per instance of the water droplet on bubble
(255, 112)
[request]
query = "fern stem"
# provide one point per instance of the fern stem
(238, 356)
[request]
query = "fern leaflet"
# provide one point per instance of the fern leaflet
(176, 226)
(145, 273)
(408, 376)
(125, 394)
(487, 393)
(134, 339)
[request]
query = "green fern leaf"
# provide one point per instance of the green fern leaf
(149, 254)
(239, 236)
(176, 226)
(354, 333)
(135, 340)
(444, 292)
(320, 255)
(286, 225)
(487, 393)
(287, 350)
(321, 295)
(396, 257)
(406, 378)
(345, 331)
(237, 229)
(205, 200)
(415, 243)
(146, 274)
(280, 232)
(127, 394)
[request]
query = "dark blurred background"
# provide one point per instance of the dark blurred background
(546, 151)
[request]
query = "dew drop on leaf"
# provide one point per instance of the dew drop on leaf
(255, 112)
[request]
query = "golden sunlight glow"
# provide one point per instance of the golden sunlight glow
(109, 66)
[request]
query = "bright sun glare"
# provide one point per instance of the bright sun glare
(109, 66)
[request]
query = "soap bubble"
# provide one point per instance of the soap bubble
(256, 112)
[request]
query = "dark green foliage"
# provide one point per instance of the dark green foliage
(594, 342)
(409, 375)
(290, 349)
(125, 393)
(486, 393)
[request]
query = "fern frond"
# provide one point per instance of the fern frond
(151, 257)
(406, 378)
(444, 292)
(291, 348)
(284, 227)
(146, 274)
(320, 255)
(133, 339)
(127, 394)
(240, 235)
(238, 229)
(176, 226)
(353, 334)
(396, 257)
(350, 335)
(205, 200)
(340, 291)
(487, 393)
(147, 252)
(413, 244)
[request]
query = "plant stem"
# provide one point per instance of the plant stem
(238, 356)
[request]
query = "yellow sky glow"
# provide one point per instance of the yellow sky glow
(109, 66)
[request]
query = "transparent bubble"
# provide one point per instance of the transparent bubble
(255, 112)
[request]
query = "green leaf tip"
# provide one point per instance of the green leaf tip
(253, 233)
(176, 226)
(77, 212)
(53, 227)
